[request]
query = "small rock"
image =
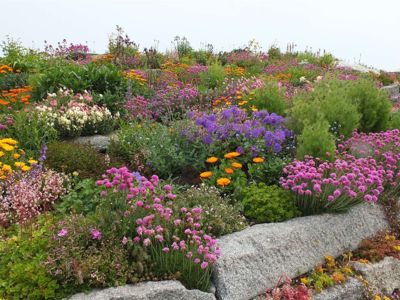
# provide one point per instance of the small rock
(352, 289)
(152, 290)
(383, 276)
(98, 142)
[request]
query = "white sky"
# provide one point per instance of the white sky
(353, 30)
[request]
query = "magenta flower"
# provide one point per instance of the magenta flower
(62, 232)
(96, 234)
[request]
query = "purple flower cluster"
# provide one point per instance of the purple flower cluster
(260, 132)
(162, 226)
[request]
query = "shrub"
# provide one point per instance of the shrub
(31, 131)
(82, 198)
(270, 98)
(70, 157)
(268, 171)
(213, 78)
(394, 120)
(316, 140)
(94, 77)
(219, 216)
(83, 254)
(156, 147)
(266, 204)
(372, 103)
(330, 101)
(22, 272)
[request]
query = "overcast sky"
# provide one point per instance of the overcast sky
(353, 30)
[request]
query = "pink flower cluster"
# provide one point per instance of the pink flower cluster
(243, 85)
(25, 196)
(161, 226)
(365, 167)
(355, 178)
(288, 292)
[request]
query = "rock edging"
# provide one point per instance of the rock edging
(254, 259)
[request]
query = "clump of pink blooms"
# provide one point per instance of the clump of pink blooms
(161, 227)
(25, 196)
(288, 292)
(349, 177)
(366, 166)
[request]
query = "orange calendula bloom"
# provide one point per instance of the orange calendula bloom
(236, 165)
(206, 174)
(223, 181)
(16, 155)
(258, 160)
(229, 171)
(212, 160)
(232, 155)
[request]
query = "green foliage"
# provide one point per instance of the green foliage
(213, 78)
(114, 101)
(31, 131)
(316, 140)
(372, 103)
(22, 272)
(83, 198)
(330, 101)
(70, 157)
(80, 262)
(394, 120)
(269, 171)
(157, 148)
(182, 46)
(321, 281)
(13, 80)
(219, 216)
(94, 77)
(266, 204)
(270, 98)
(274, 52)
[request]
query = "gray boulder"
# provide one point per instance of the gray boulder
(383, 276)
(254, 259)
(352, 289)
(98, 142)
(152, 290)
(393, 90)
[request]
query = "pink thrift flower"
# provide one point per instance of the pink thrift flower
(96, 234)
(204, 265)
(63, 232)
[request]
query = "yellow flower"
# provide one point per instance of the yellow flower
(1, 153)
(6, 147)
(9, 141)
(232, 155)
(223, 181)
(386, 298)
(212, 160)
(32, 161)
(75, 173)
(347, 270)
(6, 168)
(338, 277)
(304, 280)
(390, 237)
(206, 174)
(19, 164)
(377, 297)
(258, 160)
(16, 155)
(25, 168)
(236, 165)
(229, 171)
(397, 248)
(363, 261)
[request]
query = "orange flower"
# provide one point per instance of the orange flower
(229, 171)
(258, 160)
(236, 165)
(232, 155)
(212, 160)
(206, 174)
(223, 181)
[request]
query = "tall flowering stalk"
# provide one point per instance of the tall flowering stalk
(175, 239)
